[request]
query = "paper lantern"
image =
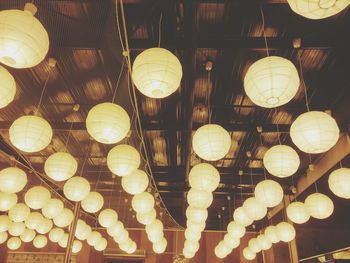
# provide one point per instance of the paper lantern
(254, 245)
(16, 228)
(28, 235)
(123, 159)
(122, 237)
(64, 219)
(56, 234)
(192, 235)
(142, 203)
(160, 246)
(191, 246)
(269, 193)
(135, 183)
(224, 248)
(84, 234)
(93, 202)
(76, 188)
(318, 9)
(339, 182)
(5, 223)
(52, 208)
(254, 208)
(319, 205)
(196, 214)
(146, 218)
(314, 132)
(241, 217)
(298, 213)
(33, 220)
(7, 201)
(195, 226)
(220, 252)
(271, 82)
(126, 244)
(157, 73)
(77, 246)
(40, 241)
(132, 248)
(115, 229)
(199, 199)
(107, 217)
(93, 238)
(37, 197)
(19, 212)
(3, 237)
(30, 133)
(204, 177)
(281, 161)
(14, 243)
(211, 142)
(231, 241)
(60, 166)
(235, 229)
(108, 123)
(188, 254)
(264, 242)
(272, 234)
(80, 229)
(7, 87)
(12, 179)
(155, 228)
(24, 41)
(285, 231)
(101, 244)
(248, 254)
(45, 226)
(63, 242)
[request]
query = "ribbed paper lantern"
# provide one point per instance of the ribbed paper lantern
(264, 242)
(248, 254)
(33, 220)
(211, 142)
(272, 234)
(93, 202)
(135, 183)
(146, 218)
(235, 230)
(132, 248)
(108, 123)
(199, 199)
(12, 180)
(125, 245)
(76, 188)
(84, 234)
(63, 219)
(40, 241)
(339, 182)
(101, 244)
(220, 252)
(7, 87)
(314, 132)
(204, 177)
(191, 246)
(37, 197)
(269, 193)
(63, 242)
(60, 166)
(80, 228)
(188, 254)
(123, 159)
(160, 246)
(7, 201)
(122, 237)
(19, 212)
(155, 228)
(157, 73)
(5, 223)
(14, 243)
(107, 217)
(94, 238)
(285, 231)
(56, 234)
(24, 41)
(281, 161)
(142, 203)
(192, 235)
(230, 241)
(254, 208)
(30, 133)
(3, 237)
(241, 217)
(318, 9)
(196, 214)
(195, 226)
(53, 208)
(16, 228)
(254, 245)
(77, 246)
(271, 82)
(115, 229)
(319, 205)
(28, 235)
(298, 213)
(45, 226)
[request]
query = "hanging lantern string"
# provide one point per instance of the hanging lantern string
(209, 97)
(68, 137)
(303, 81)
(42, 92)
(111, 193)
(118, 80)
(263, 28)
(85, 158)
(160, 28)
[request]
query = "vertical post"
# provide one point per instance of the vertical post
(73, 226)
(292, 246)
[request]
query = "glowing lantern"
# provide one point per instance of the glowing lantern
(264, 242)
(146, 218)
(3, 237)
(80, 229)
(16, 228)
(53, 208)
(285, 231)
(7, 201)
(241, 217)
(155, 228)
(64, 218)
(132, 248)
(319, 205)
(126, 244)
(56, 234)
(122, 237)
(108, 123)
(298, 213)
(77, 246)
(37, 197)
(12, 179)
(7, 87)
(204, 177)
(93, 202)
(254, 245)
(107, 217)
(211, 142)
(19, 212)
(40, 241)
(221, 251)
(269, 193)
(33, 220)
(30, 133)
(142, 203)
(60, 166)
(272, 234)
(160, 246)
(14, 243)
(157, 73)
(63, 242)
(76, 188)
(191, 246)
(235, 229)
(281, 161)
(45, 226)
(339, 182)
(192, 235)
(28, 235)
(199, 199)
(115, 229)
(195, 226)
(5, 223)
(123, 159)
(101, 244)
(94, 238)
(254, 208)
(188, 254)
(135, 183)
(314, 132)
(230, 241)
(248, 254)
(196, 214)
(84, 234)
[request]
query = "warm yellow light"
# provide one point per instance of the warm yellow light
(155, 230)
(14, 243)
(108, 123)
(40, 241)
(264, 242)
(64, 218)
(314, 132)
(160, 246)
(3, 237)
(28, 235)
(285, 231)
(157, 73)
(93, 238)
(125, 245)
(77, 246)
(37, 197)
(196, 214)
(142, 203)
(108, 217)
(254, 245)
(76, 188)
(16, 228)
(45, 226)
(146, 218)
(230, 241)
(122, 237)
(132, 248)
(135, 183)
(19, 212)
(12, 180)
(241, 217)
(33, 220)
(191, 246)
(101, 244)
(298, 213)
(211, 142)
(56, 234)
(93, 202)
(7, 87)
(269, 193)
(115, 229)
(272, 234)
(60, 166)
(319, 205)
(235, 230)
(123, 159)
(7, 201)
(5, 223)
(248, 254)
(204, 177)
(339, 182)
(221, 251)
(53, 208)
(192, 235)
(188, 254)
(199, 199)
(254, 208)
(81, 231)
(195, 226)
(63, 242)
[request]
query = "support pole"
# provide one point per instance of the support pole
(73, 226)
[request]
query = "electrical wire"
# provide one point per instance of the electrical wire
(160, 28)
(42, 92)
(303, 82)
(263, 27)
(118, 80)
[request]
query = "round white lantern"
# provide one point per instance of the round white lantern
(319, 205)
(271, 82)
(7, 87)
(135, 183)
(318, 9)
(126, 244)
(192, 235)
(298, 213)
(199, 199)
(123, 159)
(60, 166)
(94, 238)
(281, 161)
(64, 218)
(248, 254)
(93, 202)
(101, 244)
(142, 203)
(45, 226)
(339, 182)
(314, 132)
(37, 197)
(230, 241)
(53, 208)
(264, 242)
(7, 201)
(241, 217)
(269, 193)
(235, 230)
(56, 234)
(16, 228)
(254, 245)
(63, 242)
(84, 234)
(146, 218)
(157, 73)
(191, 246)
(28, 235)
(132, 248)
(195, 226)
(33, 220)
(108, 123)
(5, 223)
(30, 133)
(40, 241)
(14, 243)
(115, 229)
(188, 254)
(77, 246)
(80, 228)
(254, 208)
(219, 251)
(107, 217)
(211, 142)
(19, 212)
(155, 228)
(3, 237)
(196, 214)
(122, 237)
(160, 246)
(285, 231)
(272, 234)
(12, 180)
(204, 177)
(76, 188)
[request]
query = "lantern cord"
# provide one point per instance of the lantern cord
(160, 28)
(118, 80)
(98, 178)
(85, 159)
(341, 164)
(111, 194)
(303, 82)
(42, 93)
(278, 130)
(263, 28)
(295, 196)
(118, 25)
(68, 137)
(251, 173)
(261, 143)
(209, 98)
(240, 182)
(316, 188)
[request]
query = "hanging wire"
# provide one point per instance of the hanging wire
(160, 28)
(278, 130)
(293, 183)
(42, 92)
(111, 194)
(209, 97)
(98, 178)
(316, 188)
(261, 143)
(303, 81)
(263, 27)
(118, 80)
(118, 25)
(341, 164)
(68, 137)
(85, 158)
